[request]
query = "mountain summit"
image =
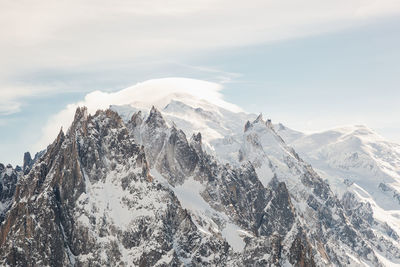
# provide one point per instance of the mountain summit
(188, 182)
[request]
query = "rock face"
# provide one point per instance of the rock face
(140, 193)
(90, 201)
(8, 181)
(28, 161)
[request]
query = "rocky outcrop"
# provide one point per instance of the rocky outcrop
(89, 201)
(8, 182)
(28, 161)
(266, 213)
(139, 193)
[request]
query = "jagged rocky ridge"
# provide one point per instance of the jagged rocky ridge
(8, 180)
(321, 213)
(110, 192)
(91, 201)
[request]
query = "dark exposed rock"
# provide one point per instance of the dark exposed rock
(247, 126)
(48, 213)
(91, 200)
(8, 182)
(155, 119)
(136, 119)
(27, 162)
(235, 191)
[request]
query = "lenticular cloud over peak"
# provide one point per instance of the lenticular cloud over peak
(157, 92)
(160, 92)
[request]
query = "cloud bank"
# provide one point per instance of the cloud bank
(38, 36)
(157, 92)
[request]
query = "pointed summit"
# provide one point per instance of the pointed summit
(81, 113)
(153, 110)
(155, 118)
(196, 137)
(27, 162)
(247, 126)
(259, 119)
(60, 136)
(136, 115)
(195, 141)
(136, 119)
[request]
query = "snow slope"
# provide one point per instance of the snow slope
(177, 179)
(355, 156)
(356, 159)
(352, 159)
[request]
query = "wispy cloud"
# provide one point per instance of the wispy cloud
(13, 95)
(70, 33)
(65, 35)
(9, 107)
(218, 75)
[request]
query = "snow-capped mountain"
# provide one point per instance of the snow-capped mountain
(236, 141)
(353, 156)
(184, 182)
(358, 160)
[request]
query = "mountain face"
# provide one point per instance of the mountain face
(358, 161)
(194, 184)
(359, 156)
(8, 180)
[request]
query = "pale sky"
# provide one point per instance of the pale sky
(311, 64)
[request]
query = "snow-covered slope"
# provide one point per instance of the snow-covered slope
(236, 138)
(178, 180)
(218, 126)
(357, 154)
(356, 159)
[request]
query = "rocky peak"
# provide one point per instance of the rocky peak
(136, 119)
(176, 105)
(80, 121)
(8, 181)
(247, 126)
(197, 137)
(155, 119)
(196, 143)
(27, 162)
(97, 204)
(80, 113)
(60, 137)
(259, 119)
(110, 193)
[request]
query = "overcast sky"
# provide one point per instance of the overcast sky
(309, 64)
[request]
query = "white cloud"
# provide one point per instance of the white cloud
(157, 92)
(71, 34)
(12, 95)
(373, 8)
(9, 107)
